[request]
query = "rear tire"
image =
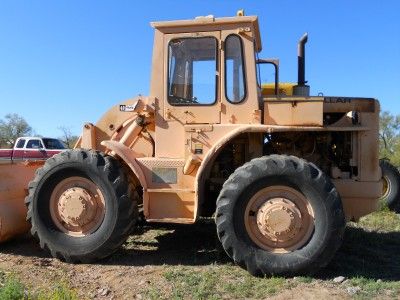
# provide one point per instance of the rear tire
(100, 215)
(302, 248)
(391, 192)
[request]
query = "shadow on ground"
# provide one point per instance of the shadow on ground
(369, 254)
(363, 254)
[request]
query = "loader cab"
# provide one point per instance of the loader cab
(204, 73)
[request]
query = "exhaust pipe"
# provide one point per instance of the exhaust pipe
(301, 59)
(301, 89)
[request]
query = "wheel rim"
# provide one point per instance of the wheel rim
(386, 187)
(77, 206)
(279, 219)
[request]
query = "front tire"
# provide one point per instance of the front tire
(280, 215)
(81, 205)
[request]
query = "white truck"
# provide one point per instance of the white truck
(32, 148)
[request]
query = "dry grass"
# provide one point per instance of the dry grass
(215, 282)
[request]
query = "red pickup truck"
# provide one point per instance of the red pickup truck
(32, 148)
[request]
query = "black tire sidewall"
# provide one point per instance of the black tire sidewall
(392, 174)
(321, 223)
(314, 185)
(58, 241)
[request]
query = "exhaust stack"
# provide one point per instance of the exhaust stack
(301, 89)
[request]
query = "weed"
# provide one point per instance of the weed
(216, 282)
(305, 279)
(60, 291)
(11, 289)
(381, 221)
(371, 288)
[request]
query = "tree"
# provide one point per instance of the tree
(389, 137)
(68, 138)
(12, 127)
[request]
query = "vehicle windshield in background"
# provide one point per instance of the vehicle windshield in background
(53, 144)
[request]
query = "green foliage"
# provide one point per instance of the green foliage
(371, 288)
(305, 279)
(59, 292)
(12, 289)
(381, 221)
(12, 127)
(217, 282)
(389, 137)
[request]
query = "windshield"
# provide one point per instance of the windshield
(53, 144)
(192, 71)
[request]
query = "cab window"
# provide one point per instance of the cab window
(235, 86)
(20, 144)
(53, 144)
(192, 71)
(34, 144)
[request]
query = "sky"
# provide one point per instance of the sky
(66, 62)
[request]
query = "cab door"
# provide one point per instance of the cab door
(192, 93)
(18, 152)
(190, 106)
(34, 150)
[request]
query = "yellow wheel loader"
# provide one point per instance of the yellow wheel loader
(280, 171)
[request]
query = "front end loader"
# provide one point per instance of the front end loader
(280, 171)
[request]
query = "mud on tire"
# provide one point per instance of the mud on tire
(120, 205)
(299, 175)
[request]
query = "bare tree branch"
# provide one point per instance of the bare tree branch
(68, 138)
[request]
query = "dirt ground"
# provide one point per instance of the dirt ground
(187, 261)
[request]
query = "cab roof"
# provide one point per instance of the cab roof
(209, 23)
